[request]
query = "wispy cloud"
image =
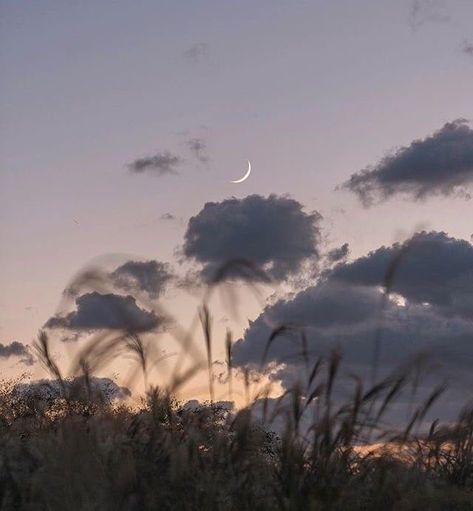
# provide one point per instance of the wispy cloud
(338, 254)
(427, 11)
(198, 149)
(197, 52)
(160, 164)
(467, 48)
(152, 277)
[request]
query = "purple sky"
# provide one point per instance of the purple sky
(310, 91)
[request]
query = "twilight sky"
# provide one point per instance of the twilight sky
(121, 120)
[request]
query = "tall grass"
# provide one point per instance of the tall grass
(309, 449)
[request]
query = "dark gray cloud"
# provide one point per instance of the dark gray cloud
(430, 311)
(328, 311)
(416, 337)
(197, 52)
(441, 164)
(95, 311)
(168, 163)
(427, 11)
(159, 164)
(198, 148)
(468, 48)
(16, 349)
(272, 233)
(103, 388)
(432, 268)
(338, 254)
(151, 277)
(348, 316)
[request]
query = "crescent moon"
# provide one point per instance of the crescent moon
(246, 176)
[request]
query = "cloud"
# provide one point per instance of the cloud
(338, 254)
(427, 11)
(273, 233)
(405, 336)
(101, 388)
(325, 309)
(16, 349)
(197, 52)
(198, 148)
(347, 317)
(96, 311)
(441, 164)
(159, 164)
(151, 277)
(433, 268)
(168, 163)
(429, 312)
(468, 48)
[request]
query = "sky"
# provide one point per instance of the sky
(122, 121)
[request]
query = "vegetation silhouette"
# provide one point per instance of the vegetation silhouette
(78, 449)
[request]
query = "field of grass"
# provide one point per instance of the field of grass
(75, 449)
(79, 451)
